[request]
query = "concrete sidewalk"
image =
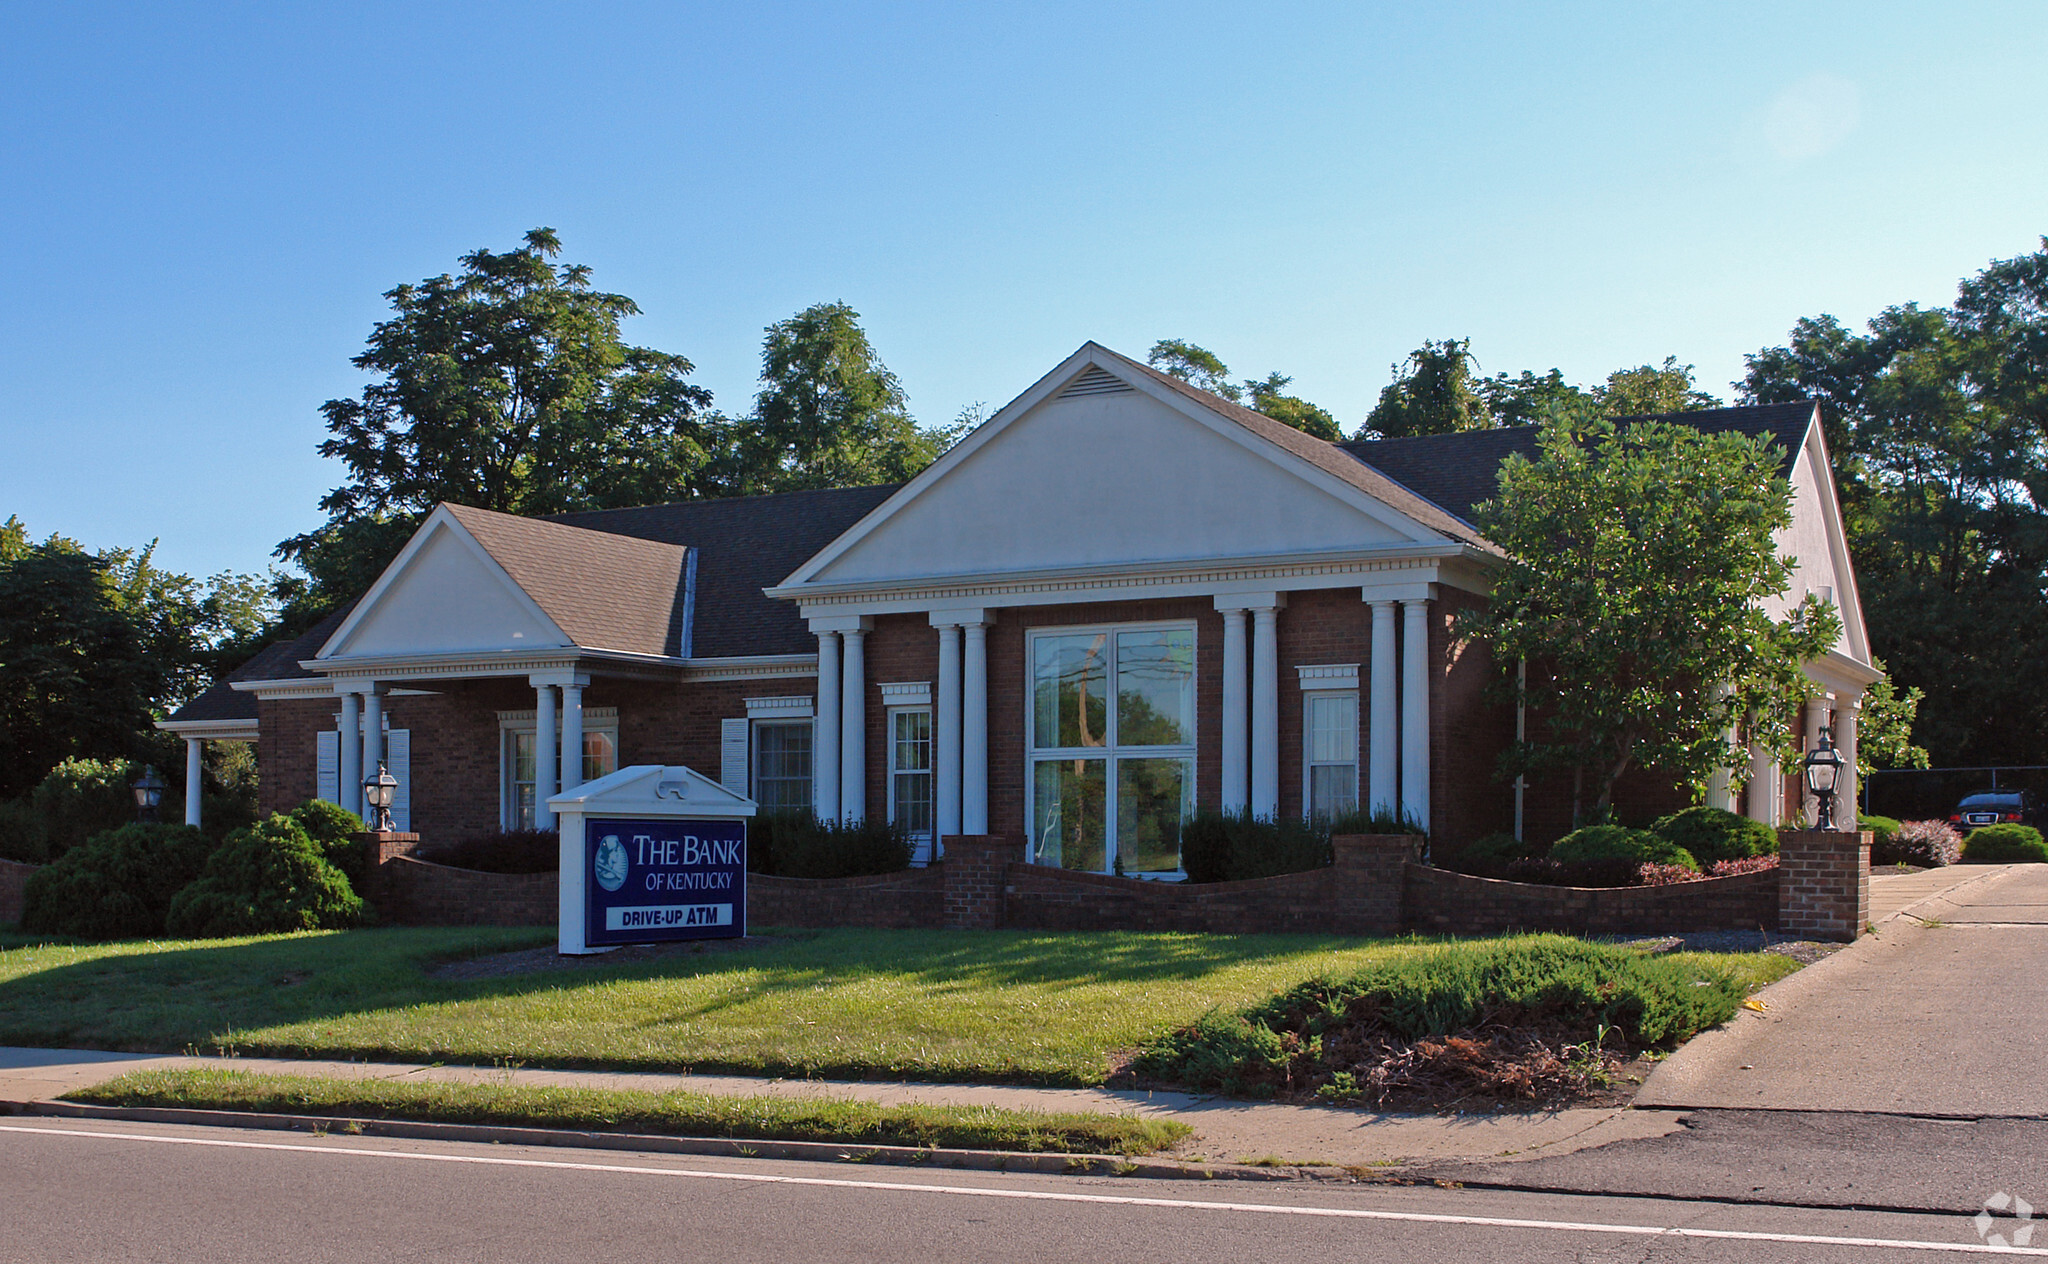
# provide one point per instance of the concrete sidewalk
(1943, 1012)
(1226, 1130)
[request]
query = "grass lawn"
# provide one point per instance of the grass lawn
(934, 1005)
(679, 1114)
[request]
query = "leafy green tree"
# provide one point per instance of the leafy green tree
(1197, 366)
(1651, 388)
(1884, 732)
(1271, 398)
(1433, 392)
(829, 413)
(1525, 399)
(1638, 559)
(507, 386)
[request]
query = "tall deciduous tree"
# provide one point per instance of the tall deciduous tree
(1652, 388)
(1638, 561)
(1271, 398)
(829, 413)
(1197, 366)
(506, 386)
(1433, 392)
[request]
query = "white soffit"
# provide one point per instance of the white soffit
(1101, 477)
(443, 594)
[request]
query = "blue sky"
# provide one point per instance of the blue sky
(206, 203)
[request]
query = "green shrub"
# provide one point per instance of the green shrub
(1562, 984)
(21, 833)
(799, 845)
(1488, 856)
(118, 886)
(334, 830)
(1618, 842)
(83, 797)
(264, 879)
(1230, 846)
(2004, 845)
(1884, 831)
(1928, 844)
(1376, 821)
(1711, 834)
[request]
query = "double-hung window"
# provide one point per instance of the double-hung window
(782, 765)
(1112, 746)
(1331, 747)
(910, 775)
(518, 758)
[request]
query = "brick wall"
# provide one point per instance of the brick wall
(1824, 883)
(13, 882)
(902, 648)
(420, 893)
(1440, 902)
(911, 899)
(1467, 731)
(287, 757)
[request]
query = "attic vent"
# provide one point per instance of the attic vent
(1096, 381)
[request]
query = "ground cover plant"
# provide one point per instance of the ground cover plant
(683, 1114)
(2004, 845)
(1526, 1018)
(1059, 1008)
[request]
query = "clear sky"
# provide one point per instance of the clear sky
(204, 204)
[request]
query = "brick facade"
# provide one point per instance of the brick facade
(1440, 902)
(1824, 883)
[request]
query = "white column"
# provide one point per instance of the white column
(974, 732)
(1764, 790)
(1236, 715)
(1848, 787)
(825, 731)
(194, 760)
(350, 791)
(1415, 711)
(1383, 734)
(546, 755)
(572, 735)
(946, 740)
(373, 739)
(1265, 801)
(853, 730)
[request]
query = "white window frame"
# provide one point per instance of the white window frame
(1326, 680)
(772, 719)
(920, 840)
(1111, 750)
(604, 720)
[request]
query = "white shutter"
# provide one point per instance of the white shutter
(327, 777)
(398, 758)
(732, 755)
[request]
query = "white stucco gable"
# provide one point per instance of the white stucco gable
(444, 593)
(1100, 465)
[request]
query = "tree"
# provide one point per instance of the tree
(1652, 388)
(507, 387)
(1194, 365)
(829, 413)
(1525, 399)
(1637, 561)
(1270, 397)
(1884, 734)
(1433, 392)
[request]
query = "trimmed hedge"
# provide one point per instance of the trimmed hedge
(1230, 846)
(799, 845)
(1618, 842)
(1489, 856)
(1709, 835)
(118, 886)
(1547, 981)
(508, 851)
(2004, 845)
(334, 830)
(265, 879)
(1883, 832)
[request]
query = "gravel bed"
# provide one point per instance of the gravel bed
(1804, 951)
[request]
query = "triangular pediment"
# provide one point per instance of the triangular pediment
(1817, 541)
(654, 790)
(1100, 465)
(443, 594)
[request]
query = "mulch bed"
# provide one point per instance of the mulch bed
(503, 965)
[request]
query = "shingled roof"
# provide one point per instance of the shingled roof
(276, 661)
(606, 591)
(1458, 471)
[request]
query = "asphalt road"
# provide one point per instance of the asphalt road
(94, 1191)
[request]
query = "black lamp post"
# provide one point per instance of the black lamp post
(378, 793)
(149, 792)
(1823, 770)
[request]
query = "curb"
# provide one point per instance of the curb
(807, 1151)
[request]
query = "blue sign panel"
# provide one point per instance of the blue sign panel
(653, 880)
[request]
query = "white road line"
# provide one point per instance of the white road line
(1118, 1200)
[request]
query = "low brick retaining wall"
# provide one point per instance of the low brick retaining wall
(1439, 902)
(893, 901)
(420, 893)
(13, 884)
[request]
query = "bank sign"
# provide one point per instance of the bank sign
(653, 880)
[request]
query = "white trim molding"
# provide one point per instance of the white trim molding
(910, 693)
(800, 706)
(1326, 676)
(211, 730)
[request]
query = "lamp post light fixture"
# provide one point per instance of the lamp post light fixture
(379, 792)
(1823, 770)
(149, 792)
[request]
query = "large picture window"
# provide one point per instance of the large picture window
(1112, 747)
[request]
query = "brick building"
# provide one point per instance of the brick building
(1118, 599)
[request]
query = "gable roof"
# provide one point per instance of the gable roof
(1458, 471)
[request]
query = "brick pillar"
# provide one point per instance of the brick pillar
(1823, 884)
(380, 849)
(975, 869)
(1369, 878)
